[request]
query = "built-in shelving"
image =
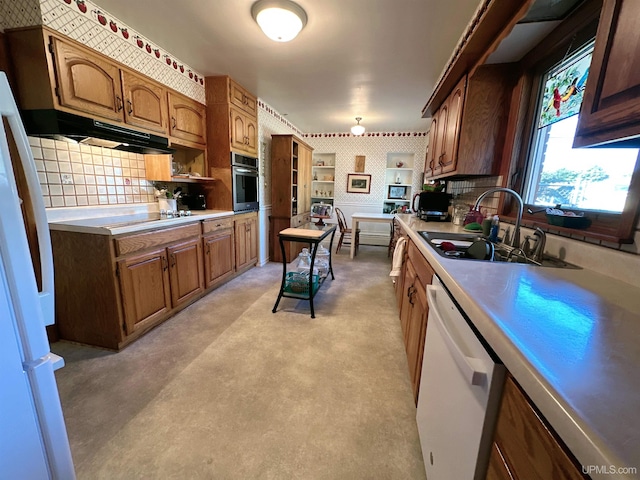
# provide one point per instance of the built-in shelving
(398, 181)
(323, 171)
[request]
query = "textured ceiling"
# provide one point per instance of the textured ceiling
(377, 59)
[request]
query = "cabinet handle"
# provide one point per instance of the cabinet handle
(164, 263)
(409, 290)
(173, 260)
(208, 248)
(119, 105)
(129, 107)
(174, 122)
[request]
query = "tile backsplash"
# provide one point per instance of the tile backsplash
(73, 174)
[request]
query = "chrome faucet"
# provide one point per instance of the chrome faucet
(515, 240)
(535, 251)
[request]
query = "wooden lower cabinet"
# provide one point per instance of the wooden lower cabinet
(219, 253)
(416, 329)
(112, 289)
(246, 241)
(145, 289)
(416, 275)
(524, 446)
(186, 271)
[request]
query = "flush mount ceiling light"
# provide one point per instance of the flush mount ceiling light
(357, 129)
(280, 20)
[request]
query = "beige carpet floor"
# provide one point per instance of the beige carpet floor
(228, 390)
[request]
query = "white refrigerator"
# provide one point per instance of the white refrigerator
(33, 435)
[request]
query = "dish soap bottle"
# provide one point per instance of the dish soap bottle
(495, 226)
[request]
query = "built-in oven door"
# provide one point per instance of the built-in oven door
(245, 189)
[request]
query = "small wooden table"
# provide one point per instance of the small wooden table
(312, 234)
(356, 218)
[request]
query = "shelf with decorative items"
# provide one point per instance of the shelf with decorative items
(323, 177)
(398, 181)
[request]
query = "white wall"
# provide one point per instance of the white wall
(375, 147)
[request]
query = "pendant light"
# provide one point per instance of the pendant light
(357, 129)
(280, 20)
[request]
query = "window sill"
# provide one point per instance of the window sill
(594, 232)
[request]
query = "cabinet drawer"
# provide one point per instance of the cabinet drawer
(421, 266)
(133, 243)
(216, 224)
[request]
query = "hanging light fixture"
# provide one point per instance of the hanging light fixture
(357, 129)
(280, 20)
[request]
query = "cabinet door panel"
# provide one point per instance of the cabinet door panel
(440, 153)
(405, 308)
(242, 99)
(144, 282)
(451, 135)
(498, 468)
(529, 449)
(611, 106)
(86, 82)
(187, 119)
(238, 130)
(219, 256)
(432, 152)
(241, 244)
(185, 262)
(145, 103)
(252, 239)
(251, 130)
(416, 330)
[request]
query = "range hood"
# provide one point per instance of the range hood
(75, 128)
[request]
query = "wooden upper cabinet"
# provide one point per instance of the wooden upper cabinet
(432, 153)
(145, 103)
(451, 129)
(187, 119)
(244, 132)
(611, 105)
(87, 82)
(468, 130)
(241, 98)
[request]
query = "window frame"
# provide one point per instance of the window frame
(568, 37)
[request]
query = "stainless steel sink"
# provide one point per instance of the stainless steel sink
(501, 252)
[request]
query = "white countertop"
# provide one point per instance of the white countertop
(571, 338)
(132, 223)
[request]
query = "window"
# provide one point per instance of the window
(586, 179)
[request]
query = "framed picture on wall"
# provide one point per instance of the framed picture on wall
(358, 183)
(397, 192)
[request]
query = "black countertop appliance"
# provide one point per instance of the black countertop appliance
(432, 206)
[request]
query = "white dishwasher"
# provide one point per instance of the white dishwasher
(460, 391)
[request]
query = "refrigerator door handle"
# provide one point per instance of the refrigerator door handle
(9, 109)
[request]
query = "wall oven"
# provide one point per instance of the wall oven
(245, 180)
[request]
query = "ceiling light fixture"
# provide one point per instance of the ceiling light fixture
(357, 129)
(280, 20)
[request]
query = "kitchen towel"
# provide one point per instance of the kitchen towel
(398, 253)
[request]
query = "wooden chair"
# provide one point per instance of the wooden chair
(394, 238)
(346, 234)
